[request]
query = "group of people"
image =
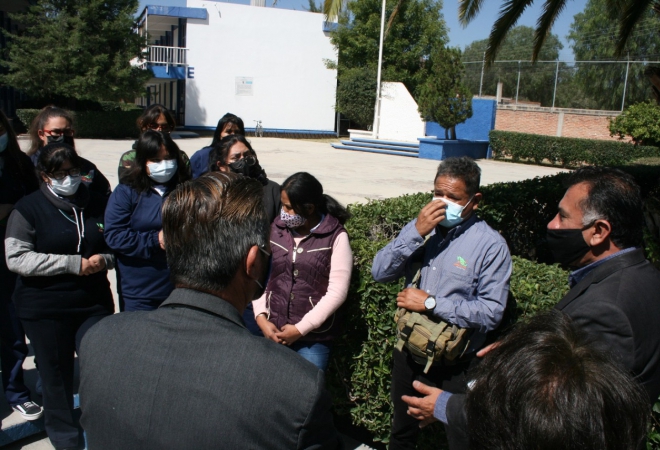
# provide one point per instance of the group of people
(214, 260)
(64, 228)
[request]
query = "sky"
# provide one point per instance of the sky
(478, 29)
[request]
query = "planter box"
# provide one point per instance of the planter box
(440, 149)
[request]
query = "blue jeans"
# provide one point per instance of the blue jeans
(318, 353)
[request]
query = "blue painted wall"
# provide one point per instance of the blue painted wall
(476, 127)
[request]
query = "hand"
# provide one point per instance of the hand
(161, 239)
(412, 299)
(421, 408)
(97, 262)
(85, 267)
(430, 216)
(484, 351)
(289, 334)
(268, 328)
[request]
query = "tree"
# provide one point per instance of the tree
(418, 29)
(536, 80)
(594, 40)
(443, 98)
(313, 7)
(626, 14)
(77, 49)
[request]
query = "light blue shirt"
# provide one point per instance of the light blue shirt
(467, 272)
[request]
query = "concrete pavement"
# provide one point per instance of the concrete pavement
(348, 176)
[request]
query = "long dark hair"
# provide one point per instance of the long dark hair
(220, 151)
(303, 189)
(13, 160)
(39, 123)
(222, 123)
(148, 146)
(151, 115)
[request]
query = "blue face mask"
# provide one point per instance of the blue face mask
(453, 212)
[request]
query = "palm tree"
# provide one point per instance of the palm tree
(629, 13)
(332, 9)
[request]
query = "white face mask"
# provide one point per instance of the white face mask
(66, 186)
(163, 171)
(4, 141)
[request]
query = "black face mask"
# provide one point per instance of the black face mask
(567, 246)
(60, 139)
(248, 166)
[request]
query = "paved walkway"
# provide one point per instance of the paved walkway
(348, 176)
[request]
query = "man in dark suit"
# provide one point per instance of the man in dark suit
(190, 375)
(615, 291)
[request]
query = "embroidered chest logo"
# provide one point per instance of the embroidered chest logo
(87, 177)
(101, 227)
(460, 263)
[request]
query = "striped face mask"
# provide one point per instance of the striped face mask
(292, 220)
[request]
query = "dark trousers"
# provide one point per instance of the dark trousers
(55, 341)
(405, 370)
(13, 349)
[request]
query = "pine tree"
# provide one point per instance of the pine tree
(77, 49)
(443, 98)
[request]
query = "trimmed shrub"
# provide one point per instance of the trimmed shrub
(360, 369)
(360, 372)
(109, 124)
(641, 122)
(566, 152)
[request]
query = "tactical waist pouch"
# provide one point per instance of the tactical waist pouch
(430, 339)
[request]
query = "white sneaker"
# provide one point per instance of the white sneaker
(29, 410)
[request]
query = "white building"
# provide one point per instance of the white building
(267, 64)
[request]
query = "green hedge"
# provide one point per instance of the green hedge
(359, 373)
(112, 124)
(566, 152)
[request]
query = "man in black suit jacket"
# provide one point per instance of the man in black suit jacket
(615, 291)
(190, 375)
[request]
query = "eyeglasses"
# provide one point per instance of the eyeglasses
(59, 132)
(249, 160)
(264, 251)
(159, 126)
(61, 174)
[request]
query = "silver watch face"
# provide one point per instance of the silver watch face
(429, 303)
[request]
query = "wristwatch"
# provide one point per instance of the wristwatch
(429, 303)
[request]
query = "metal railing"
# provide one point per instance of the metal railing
(167, 55)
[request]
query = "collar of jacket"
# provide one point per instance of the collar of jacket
(79, 202)
(459, 229)
(208, 303)
(328, 225)
(601, 272)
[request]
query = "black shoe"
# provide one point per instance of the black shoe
(29, 410)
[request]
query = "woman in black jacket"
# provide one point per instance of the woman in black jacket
(55, 243)
(233, 153)
(55, 125)
(17, 179)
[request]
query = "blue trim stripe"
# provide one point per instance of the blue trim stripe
(177, 11)
(270, 130)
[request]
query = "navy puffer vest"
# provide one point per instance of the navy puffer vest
(300, 275)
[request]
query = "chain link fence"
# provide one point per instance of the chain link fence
(599, 85)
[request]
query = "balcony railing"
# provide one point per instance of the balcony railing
(167, 55)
